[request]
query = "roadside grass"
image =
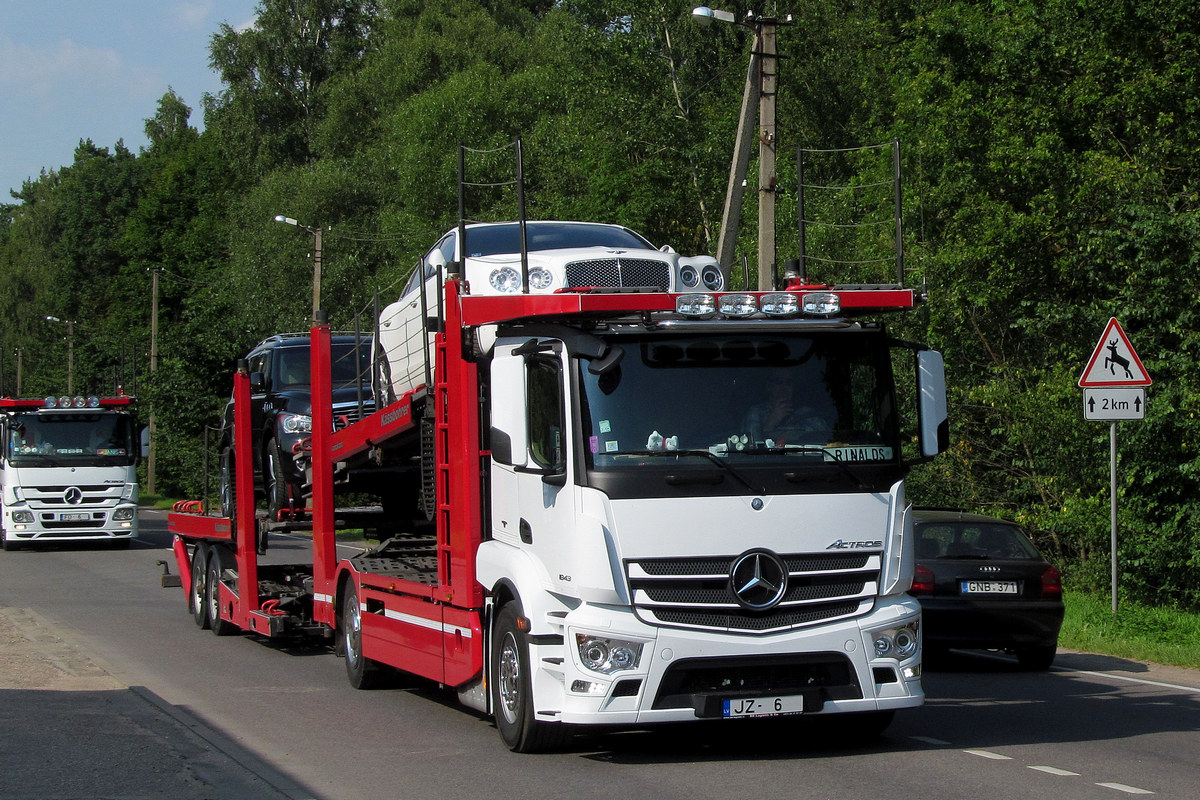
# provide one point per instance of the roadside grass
(1140, 633)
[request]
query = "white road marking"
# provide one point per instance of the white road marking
(1120, 787)
(1056, 771)
(989, 754)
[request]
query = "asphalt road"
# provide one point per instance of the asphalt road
(107, 689)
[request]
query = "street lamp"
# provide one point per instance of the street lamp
(70, 351)
(763, 66)
(316, 233)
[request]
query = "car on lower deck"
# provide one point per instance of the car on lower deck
(983, 584)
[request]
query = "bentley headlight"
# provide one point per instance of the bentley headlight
(606, 656)
(688, 277)
(714, 279)
(505, 280)
(540, 279)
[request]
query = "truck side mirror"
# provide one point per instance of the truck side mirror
(931, 382)
(510, 442)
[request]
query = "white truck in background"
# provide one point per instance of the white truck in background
(68, 470)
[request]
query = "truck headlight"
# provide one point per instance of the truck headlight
(296, 423)
(25, 517)
(123, 513)
(897, 642)
(606, 656)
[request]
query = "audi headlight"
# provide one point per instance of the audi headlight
(296, 423)
(506, 280)
(897, 642)
(606, 656)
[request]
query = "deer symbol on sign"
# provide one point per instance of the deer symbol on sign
(1113, 359)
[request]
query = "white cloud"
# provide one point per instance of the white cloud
(193, 15)
(69, 68)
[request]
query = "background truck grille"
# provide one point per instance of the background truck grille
(619, 272)
(695, 592)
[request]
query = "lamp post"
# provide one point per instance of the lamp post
(316, 233)
(761, 86)
(70, 351)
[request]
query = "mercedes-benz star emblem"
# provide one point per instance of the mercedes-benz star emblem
(73, 496)
(758, 579)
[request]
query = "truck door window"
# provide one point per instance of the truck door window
(544, 393)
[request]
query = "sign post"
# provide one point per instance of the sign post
(1114, 388)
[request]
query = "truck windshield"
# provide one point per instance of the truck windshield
(71, 439)
(748, 405)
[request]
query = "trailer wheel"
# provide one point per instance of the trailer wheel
(512, 697)
(218, 562)
(197, 592)
(362, 672)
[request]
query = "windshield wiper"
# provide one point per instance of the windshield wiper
(816, 449)
(703, 454)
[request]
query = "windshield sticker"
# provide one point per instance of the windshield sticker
(852, 454)
(611, 447)
(594, 444)
(605, 426)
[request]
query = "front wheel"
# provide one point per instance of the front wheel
(512, 697)
(362, 672)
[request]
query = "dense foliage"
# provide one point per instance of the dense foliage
(1051, 171)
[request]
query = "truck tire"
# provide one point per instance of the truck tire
(197, 591)
(219, 559)
(362, 672)
(512, 696)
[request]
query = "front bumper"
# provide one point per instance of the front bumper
(50, 526)
(688, 675)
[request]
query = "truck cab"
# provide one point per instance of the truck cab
(68, 470)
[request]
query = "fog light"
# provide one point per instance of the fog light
(780, 304)
(822, 303)
(696, 305)
(738, 305)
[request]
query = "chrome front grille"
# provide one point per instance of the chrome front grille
(619, 272)
(696, 592)
(348, 413)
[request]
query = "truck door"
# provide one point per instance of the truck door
(532, 502)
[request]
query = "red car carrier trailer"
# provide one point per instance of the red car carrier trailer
(645, 507)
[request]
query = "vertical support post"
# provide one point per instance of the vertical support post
(1112, 465)
(766, 157)
(738, 167)
(802, 261)
(324, 544)
(521, 216)
(245, 527)
(899, 212)
(316, 231)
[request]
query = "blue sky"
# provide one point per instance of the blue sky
(95, 69)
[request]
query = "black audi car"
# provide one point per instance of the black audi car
(983, 584)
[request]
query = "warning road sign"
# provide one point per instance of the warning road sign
(1114, 362)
